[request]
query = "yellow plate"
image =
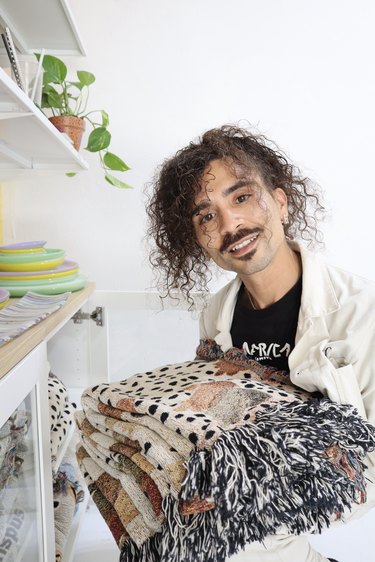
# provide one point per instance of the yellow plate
(36, 266)
(4, 303)
(23, 251)
(42, 275)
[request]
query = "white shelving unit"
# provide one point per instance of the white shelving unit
(27, 21)
(28, 141)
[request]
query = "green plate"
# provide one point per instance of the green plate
(26, 257)
(33, 282)
(48, 288)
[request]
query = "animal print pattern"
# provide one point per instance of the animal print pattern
(61, 415)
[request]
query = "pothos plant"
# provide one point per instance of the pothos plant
(70, 98)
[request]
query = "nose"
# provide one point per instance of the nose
(229, 222)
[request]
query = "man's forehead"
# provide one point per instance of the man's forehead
(224, 177)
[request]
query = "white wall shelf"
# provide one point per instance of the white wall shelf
(28, 141)
(27, 22)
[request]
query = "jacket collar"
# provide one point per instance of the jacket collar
(318, 295)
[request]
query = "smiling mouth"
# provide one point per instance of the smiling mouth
(242, 247)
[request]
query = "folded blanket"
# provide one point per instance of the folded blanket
(192, 461)
(68, 491)
(61, 415)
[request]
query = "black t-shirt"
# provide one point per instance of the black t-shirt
(267, 335)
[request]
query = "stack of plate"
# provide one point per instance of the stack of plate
(29, 266)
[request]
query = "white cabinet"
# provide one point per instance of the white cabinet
(26, 482)
(26, 474)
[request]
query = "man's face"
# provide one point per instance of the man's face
(237, 221)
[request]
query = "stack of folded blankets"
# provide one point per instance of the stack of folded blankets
(192, 461)
(68, 486)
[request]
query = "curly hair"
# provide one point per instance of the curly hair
(179, 261)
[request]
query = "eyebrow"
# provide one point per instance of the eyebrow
(206, 203)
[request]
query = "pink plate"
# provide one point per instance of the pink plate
(4, 295)
(24, 245)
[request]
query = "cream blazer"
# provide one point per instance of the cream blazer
(335, 340)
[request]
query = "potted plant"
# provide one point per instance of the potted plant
(67, 102)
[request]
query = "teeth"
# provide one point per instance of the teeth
(243, 244)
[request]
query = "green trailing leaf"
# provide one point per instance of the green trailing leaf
(55, 100)
(86, 78)
(55, 70)
(71, 174)
(51, 98)
(99, 139)
(78, 85)
(117, 183)
(113, 162)
(105, 118)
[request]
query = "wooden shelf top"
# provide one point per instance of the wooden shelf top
(15, 350)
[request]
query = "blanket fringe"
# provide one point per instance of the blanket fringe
(260, 476)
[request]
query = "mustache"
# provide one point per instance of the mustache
(230, 239)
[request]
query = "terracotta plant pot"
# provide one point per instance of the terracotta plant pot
(72, 126)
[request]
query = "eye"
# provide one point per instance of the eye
(206, 218)
(243, 197)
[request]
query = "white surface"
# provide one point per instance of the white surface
(353, 542)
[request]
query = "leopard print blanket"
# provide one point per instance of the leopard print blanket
(192, 461)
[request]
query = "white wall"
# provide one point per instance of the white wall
(166, 70)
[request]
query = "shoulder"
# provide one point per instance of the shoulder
(347, 283)
(342, 299)
(322, 278)
(219, 309)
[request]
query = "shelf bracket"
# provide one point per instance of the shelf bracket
(97, 315)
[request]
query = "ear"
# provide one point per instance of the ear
(281, 200)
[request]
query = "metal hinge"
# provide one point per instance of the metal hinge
(97, 315)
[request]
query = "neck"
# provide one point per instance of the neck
(271, 284)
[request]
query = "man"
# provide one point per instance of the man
(232, 198)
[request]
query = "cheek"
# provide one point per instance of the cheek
(199, 236)
(205, 239)
(268, 210)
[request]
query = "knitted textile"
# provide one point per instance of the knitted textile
(61, 415)
(192, 461)
(67, 493)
